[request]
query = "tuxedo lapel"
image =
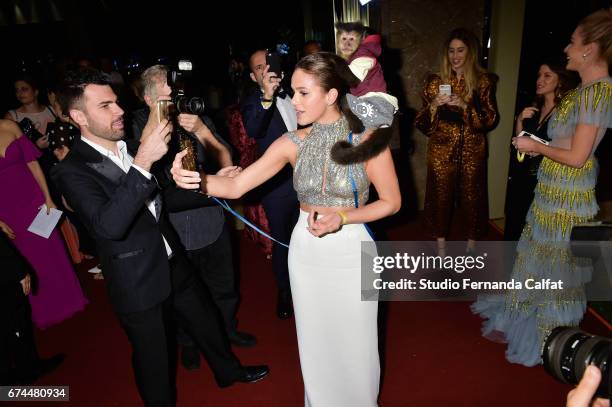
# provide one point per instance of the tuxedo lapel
(101, 164)
(108, 169)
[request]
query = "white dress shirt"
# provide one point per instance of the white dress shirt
(124, 161)
(286, 110)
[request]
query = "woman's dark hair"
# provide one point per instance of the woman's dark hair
(34, 83)
(333, 72)
(567, 80)
(70, 92)
(29, 79)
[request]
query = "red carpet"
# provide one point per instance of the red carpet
(434, 354)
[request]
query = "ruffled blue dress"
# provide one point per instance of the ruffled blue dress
(564, 197)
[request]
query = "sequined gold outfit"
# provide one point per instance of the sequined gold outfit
(564, 197)
(456, 154)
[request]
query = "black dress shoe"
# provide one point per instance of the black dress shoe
(190, 357)
(248, 374)
(242, 339)
(284, 305)
(252, 374)
(42, 367)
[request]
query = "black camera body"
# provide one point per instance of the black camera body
(181, 82)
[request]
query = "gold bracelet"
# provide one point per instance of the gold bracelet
(344, 218)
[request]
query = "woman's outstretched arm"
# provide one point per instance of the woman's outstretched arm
(281, 152)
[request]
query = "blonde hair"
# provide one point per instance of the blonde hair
(597, 27)
(150, 78)
(472, 69)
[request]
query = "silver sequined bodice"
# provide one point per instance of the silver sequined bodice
(317, 179)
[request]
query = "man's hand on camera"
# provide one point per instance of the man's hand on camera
(191, 122)
(582, 395)
(153, 145)
(153, 120)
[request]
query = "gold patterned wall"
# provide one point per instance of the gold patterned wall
(414, 31)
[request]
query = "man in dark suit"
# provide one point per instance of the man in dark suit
(112, 190)
(267, 114)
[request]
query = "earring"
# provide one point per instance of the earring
(584, 56)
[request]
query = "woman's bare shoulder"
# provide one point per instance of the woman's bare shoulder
(10, 127)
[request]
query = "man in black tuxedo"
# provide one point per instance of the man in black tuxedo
(110, 187)
(267, 114)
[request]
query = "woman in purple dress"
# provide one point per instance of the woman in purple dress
(24, 190)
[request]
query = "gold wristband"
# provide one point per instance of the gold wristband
(344, 218)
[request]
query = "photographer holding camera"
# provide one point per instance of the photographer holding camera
(199, 221)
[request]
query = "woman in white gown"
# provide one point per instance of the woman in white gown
(337, 331)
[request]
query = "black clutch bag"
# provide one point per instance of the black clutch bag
(61, 134)
(28, 128)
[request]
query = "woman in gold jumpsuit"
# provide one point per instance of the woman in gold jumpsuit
(456, 122)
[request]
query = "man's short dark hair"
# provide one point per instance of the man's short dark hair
(70, 93)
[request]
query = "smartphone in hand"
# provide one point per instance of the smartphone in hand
(445, 89)
(163, 110)
(273, 59)
(534, 137)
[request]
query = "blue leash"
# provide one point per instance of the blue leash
(228, 208)
(354, 187)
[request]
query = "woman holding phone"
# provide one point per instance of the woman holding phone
(458, 109)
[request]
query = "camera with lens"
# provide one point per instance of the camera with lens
(183, 101)
(568, 351)
(181, 82)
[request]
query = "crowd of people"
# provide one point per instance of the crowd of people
(319, 147)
